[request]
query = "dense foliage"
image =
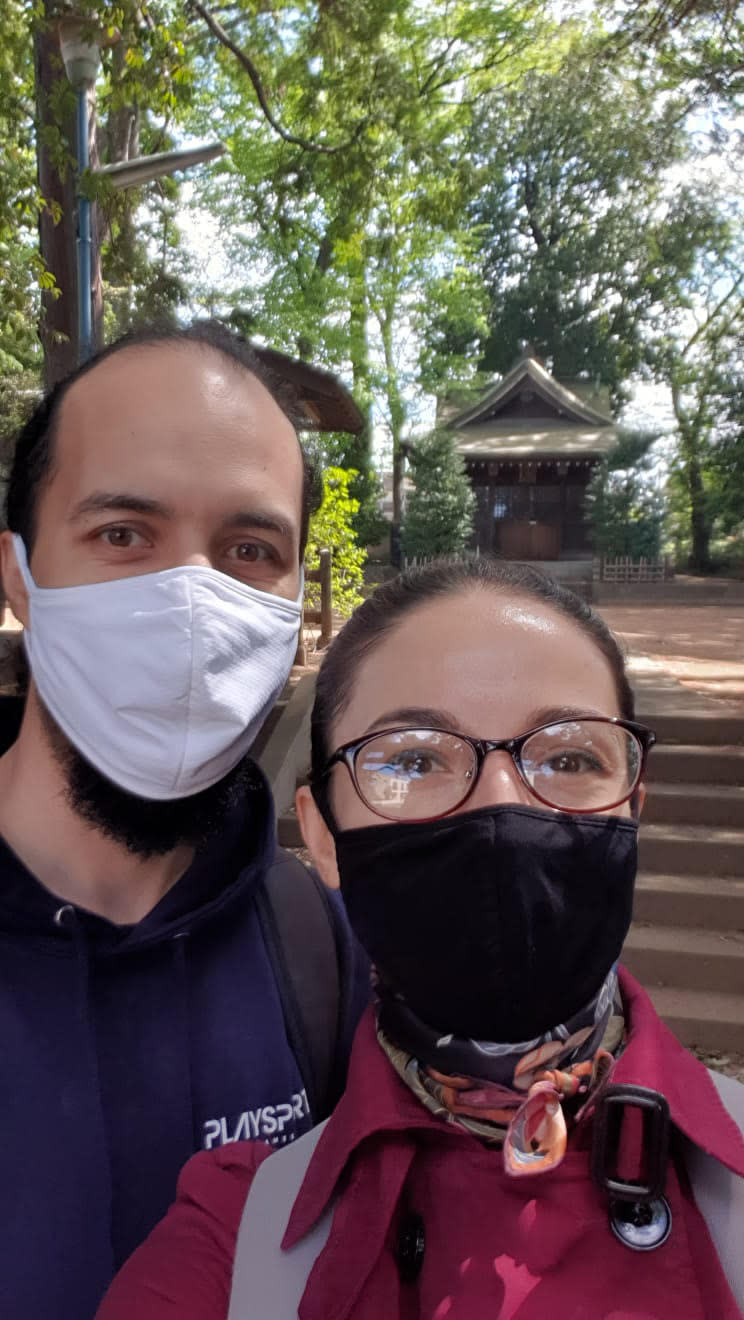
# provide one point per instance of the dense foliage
(625, 503)
(410, 191)
(438, 518)
(332, 528)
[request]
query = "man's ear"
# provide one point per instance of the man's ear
(13, 584)
(317, 837)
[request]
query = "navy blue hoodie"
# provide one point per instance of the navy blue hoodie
(124, 1049)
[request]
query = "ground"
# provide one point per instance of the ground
(702, 646)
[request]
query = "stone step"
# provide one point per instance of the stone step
(688, 763)
(665, 850)
(710, 1021)
(288, 830)
(699, 804)
(706, 902)
(709, 728)
(692, 850)
(691, 959)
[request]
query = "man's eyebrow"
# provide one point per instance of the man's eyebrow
(424, 717)
(118, 501)
(255, 520)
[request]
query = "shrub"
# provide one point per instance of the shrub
(331, 528)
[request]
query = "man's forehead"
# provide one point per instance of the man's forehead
(140, 375)
(176, 421)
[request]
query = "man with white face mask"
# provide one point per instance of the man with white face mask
(157, 514)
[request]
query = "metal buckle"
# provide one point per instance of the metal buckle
(607, 1126)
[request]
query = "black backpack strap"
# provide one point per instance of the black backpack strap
(299, 931)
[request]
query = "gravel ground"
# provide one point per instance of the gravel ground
(732, 1064)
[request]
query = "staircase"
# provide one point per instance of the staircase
(686, 944)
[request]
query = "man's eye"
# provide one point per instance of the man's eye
(122, 538)
(250, 553)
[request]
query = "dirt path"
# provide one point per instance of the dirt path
(702, 646)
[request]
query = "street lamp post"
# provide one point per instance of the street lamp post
(81, 55)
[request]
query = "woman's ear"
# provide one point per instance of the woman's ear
(640, 798)
(318, 838)
(13, 584)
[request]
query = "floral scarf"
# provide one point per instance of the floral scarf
(517, 1096)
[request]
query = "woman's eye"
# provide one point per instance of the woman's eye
(572, 763)
(414, 764)
(122, 538)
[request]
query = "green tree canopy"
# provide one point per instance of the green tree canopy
(580, 235)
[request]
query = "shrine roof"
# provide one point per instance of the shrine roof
(549, 401)
(326, 403)
(523, 440)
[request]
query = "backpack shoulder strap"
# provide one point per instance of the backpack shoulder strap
(268, 1282)
(299, 930)
(719, 1193)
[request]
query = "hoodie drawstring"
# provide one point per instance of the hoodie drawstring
(179, 945)
(66, 917)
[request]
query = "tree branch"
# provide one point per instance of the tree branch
(701, 330)
(247, 64)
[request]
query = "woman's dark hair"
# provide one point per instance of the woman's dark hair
(33, 458)
(380, 614)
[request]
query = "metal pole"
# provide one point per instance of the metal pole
(85, 315)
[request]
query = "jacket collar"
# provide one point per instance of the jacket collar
(376, 1101)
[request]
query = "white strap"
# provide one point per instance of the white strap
(719, 1193)
(268, 1283)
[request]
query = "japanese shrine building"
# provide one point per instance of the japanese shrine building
(530, 445)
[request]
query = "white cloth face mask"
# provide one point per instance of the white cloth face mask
(161, 681)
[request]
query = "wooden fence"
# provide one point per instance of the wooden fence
(624, 569)
(323, 617)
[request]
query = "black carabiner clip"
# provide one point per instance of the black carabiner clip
(640, 1216)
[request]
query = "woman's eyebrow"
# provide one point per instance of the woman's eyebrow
(429, 717)
(553, 714)
(426, 717)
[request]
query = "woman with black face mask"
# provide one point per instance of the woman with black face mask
(520, 1136)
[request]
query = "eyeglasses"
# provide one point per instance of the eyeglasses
(417, 774)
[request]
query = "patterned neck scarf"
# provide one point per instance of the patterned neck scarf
(517, 1096)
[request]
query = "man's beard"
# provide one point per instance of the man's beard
(145, 827)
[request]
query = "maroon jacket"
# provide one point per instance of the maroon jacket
(496, 1247)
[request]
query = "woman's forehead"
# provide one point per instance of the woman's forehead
(492, 660)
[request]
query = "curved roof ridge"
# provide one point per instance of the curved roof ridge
(551, 389)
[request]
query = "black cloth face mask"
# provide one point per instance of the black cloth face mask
(494, 924)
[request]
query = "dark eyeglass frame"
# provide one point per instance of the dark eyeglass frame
(347, 755)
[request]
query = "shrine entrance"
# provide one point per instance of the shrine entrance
(530, 446)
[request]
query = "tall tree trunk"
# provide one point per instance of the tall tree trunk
(358, 452)
(397, 412)
(699, 519)
(58, 326)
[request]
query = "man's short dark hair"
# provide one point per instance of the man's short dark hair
(33, 459)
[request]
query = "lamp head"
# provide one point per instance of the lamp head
(80, 46)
